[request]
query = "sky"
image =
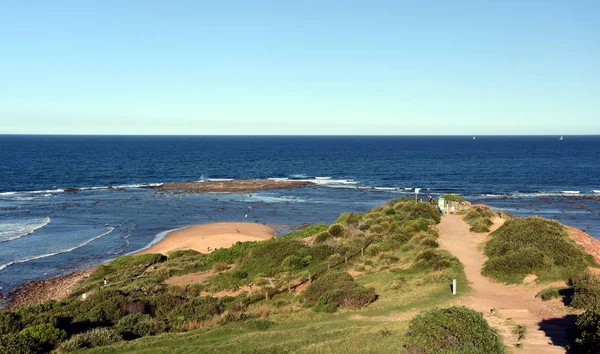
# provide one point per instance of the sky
(300, 67)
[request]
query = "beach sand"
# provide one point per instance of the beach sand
(207, 237)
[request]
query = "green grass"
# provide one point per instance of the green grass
(533, 245)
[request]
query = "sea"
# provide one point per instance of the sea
(47, 228)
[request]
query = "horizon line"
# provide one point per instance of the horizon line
(289, 135)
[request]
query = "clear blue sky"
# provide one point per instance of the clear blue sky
(300, 67)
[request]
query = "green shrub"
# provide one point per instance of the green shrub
(136, 325)
(220, 267)
(453, 198)
(587, 333)
(143, 259)
(453, 330)
(586, 291)
(197, 309)
(293, 262)
(9, 323)
(533, 246)
(45, 336)
(377, 229)
(183, 253)
(481, 226)
(337, 230)
(323, 236)
(554, 293)
(309, 230)
(14, 343)
(353, 298)
(96, 337)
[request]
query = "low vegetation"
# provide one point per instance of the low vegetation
(533, 245)
(480, 218)
(586, 335)
(453, 198)
(452, 330)
(298, 284)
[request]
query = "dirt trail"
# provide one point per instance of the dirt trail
(505, 306)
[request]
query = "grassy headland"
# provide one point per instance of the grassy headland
(320, 289)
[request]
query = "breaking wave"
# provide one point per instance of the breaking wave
(13, 231)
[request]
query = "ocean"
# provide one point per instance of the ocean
(45, 230)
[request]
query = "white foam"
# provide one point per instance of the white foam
(13, 231)
(596, 191)
(219, 179)
(385, 188)
(279, 179)
(27, 259)
(7, 193)
(323, 178)
(570, 192)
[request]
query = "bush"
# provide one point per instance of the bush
(45, 336)
(453, 330)
(453, 198)
(323, 236)
(136, 325)
(197, 309)
(309, 230)
(587, 333)
(143, 259)
(354, 298)
(586, 291)
(533, 246)
(9, 323)
(293, 262)
(337, 230)
(96, 337)
(554, 293)
(220, 267)
(183, 253)
(14, 343)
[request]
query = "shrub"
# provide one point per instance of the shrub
(353, 298)
(14, 343)
(294, 262)
(136, 325)
(9, 323)
(143, 259)
(219, 267)
(309, 230)
(183, 253)
(555, 292)
(455, 329)
(323, 236)
(197, 309)
(45, 336)
(533, 246)
(453, 198)
(587, 333)
(96, 337)
(337, 230)
(586, 291)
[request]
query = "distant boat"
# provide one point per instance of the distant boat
(473, 138)
(561, 138)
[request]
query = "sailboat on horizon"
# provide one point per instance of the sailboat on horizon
(561, 138)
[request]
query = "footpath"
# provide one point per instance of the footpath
(506, 306)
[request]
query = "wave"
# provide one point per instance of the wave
(596, 191)
(13, 231)
(32, 258)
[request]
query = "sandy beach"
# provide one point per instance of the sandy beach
(207, 237)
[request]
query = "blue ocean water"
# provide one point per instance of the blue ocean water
(45, 231)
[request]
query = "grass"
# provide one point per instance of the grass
(533, 245)
(403, 251)
(480, 218)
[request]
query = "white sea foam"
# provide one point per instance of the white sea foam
(323, 178)
(570, 192)
(219, 179)
(7, 193)
(27, 259)
(385, 188)
(13, 231)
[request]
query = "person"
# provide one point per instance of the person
(105, 281)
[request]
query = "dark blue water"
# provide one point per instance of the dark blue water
(45, 231)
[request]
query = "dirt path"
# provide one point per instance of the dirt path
(505, 306)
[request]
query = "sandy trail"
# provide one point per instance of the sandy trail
(206, 238)
(505, 305)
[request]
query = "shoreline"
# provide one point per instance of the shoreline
(205, 238)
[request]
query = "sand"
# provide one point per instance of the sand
(207, 237)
